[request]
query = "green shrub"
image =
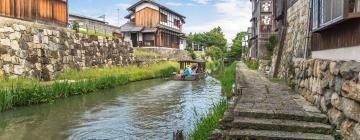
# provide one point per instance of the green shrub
(215, 53)
(271, 45)
(251, 64)
(215, 65)
(204, 128)
(75, 26)
(192, 53)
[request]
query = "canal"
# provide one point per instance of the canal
(151, 109)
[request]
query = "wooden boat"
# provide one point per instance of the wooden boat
(200, 74)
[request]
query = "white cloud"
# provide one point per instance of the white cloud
(234, 17)
(202, 1)
(174, 3)
(123, 5)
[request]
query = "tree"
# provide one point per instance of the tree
(75, 26)
(215, 53)
(236, 48)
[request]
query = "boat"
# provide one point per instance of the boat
(200, 74)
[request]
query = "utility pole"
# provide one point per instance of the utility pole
(118, 10)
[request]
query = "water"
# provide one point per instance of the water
(151, 109)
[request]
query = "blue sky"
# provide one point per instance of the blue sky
(201, 15)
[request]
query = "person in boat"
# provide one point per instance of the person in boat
(194, 70)
(188, 72)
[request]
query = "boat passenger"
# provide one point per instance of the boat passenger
(188, 71)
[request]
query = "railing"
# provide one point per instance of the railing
(55, 11)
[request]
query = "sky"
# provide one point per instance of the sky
(232, 16)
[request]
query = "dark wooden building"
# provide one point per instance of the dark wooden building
(335, 29)
(47, 11)
(154, 25)
(262, 27)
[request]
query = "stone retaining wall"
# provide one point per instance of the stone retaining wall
(334, 86)
(296, 36)
(40, 51)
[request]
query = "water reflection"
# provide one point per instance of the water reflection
(143, 110)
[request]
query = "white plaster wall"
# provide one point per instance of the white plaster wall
(145, 5)
(140, 37)
(127, 37)
(346, 54)
(170, 20)
(182, 45)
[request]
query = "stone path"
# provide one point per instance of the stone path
(266, 110)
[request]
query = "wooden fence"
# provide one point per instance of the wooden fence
(49, 11)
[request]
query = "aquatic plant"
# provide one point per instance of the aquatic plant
(93, 80)
(205, 126)
(228, 80)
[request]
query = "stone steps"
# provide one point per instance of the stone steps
(281, 114)
(281, 125)
(244, 134)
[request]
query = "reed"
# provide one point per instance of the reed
(228, 80)
(205, 126)
(87, 81)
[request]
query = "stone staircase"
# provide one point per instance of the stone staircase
(269, 111)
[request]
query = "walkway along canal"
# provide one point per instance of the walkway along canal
(151, 109)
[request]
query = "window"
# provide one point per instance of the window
(163, 17)
(166, 39)
(354, 6)
(177, 23)
(149, 39)
(326, 12)
(315, 14)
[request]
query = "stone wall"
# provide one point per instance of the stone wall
(334, 86)
(296, 36)
(40, 51)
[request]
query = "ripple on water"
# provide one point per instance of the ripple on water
(151, 109)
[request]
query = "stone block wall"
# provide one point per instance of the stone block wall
(39, 51)
(296, 36)
(334, 86)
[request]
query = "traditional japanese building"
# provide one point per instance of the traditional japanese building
(261, 28)
(154, 25)
(335, 27)
(44, 11)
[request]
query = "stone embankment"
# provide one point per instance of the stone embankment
(41, 51)
(334, 87)
(266, 110)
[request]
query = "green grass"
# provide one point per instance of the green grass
(204, 128)
(96, 34)
(145, 53)
(96, 79)
(23, 82)
(251, 64)
(228, 80)
(134, 72)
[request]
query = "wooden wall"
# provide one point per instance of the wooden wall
(55, 11)
(147, 17)
(345, 34)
